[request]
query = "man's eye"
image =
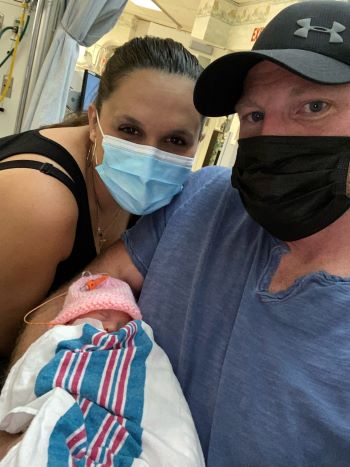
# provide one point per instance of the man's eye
(256, 116)
(315, 106)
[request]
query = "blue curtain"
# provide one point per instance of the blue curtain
(84, 22)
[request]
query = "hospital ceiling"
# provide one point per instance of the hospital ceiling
(178, 14)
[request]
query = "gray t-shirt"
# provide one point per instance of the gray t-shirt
(266, 376)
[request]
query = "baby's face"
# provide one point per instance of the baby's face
(112, 320)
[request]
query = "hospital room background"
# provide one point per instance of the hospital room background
(52, 53)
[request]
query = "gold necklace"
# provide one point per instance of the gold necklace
(100, 231)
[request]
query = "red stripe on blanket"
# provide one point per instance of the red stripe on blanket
(62, 370)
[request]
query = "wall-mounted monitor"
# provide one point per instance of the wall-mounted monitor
(91, 82)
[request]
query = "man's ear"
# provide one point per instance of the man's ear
(201, 137)
(92, 122)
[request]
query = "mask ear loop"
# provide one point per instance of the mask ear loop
(347, 190)
(92, 154)
(25, 319)
(99, 124)
(92, 150)
(103, 135)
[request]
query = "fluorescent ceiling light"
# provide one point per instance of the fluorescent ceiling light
(146, 4)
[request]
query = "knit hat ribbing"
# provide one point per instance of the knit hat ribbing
(107, 294)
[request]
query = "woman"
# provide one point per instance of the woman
(58, 211)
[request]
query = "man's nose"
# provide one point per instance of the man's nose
(274, 125)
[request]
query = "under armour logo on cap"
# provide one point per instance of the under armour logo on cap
(305, 24)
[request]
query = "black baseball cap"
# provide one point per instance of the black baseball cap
(310, 39)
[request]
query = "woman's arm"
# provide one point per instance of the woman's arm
(38, 222)
(115, 261)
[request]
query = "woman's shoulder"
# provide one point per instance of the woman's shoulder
(75, 140)
(64, 148)
(36, 198)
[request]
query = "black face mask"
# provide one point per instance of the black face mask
(293, 186)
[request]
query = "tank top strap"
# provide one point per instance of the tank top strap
(44, 167)
(32, 142)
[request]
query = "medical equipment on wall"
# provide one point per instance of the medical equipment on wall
(85, 59)
(82, 91)
(102, 56)
(23, 47)
(94, 58)
(18, 31)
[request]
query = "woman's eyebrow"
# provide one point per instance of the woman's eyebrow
(181, 132)
(128, 118)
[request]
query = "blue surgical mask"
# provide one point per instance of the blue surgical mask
(141, 178)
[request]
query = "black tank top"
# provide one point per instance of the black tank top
(33, 142)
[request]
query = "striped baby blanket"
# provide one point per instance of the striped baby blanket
(85, 397)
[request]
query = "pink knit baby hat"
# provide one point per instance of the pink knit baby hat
(94, 292)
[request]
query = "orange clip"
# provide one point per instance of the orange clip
(93, 283)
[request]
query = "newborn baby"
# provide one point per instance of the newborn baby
(97, 392)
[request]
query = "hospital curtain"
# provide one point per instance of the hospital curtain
(83, 23)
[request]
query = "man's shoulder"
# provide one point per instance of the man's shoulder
(212, 176)
(204, 185)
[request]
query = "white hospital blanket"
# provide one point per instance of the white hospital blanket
(85, 397)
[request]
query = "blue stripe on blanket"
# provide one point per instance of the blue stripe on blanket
(105, 373)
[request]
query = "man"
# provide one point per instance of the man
(248, 289)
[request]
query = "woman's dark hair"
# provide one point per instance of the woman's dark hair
(146, 53)
(141, 53)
